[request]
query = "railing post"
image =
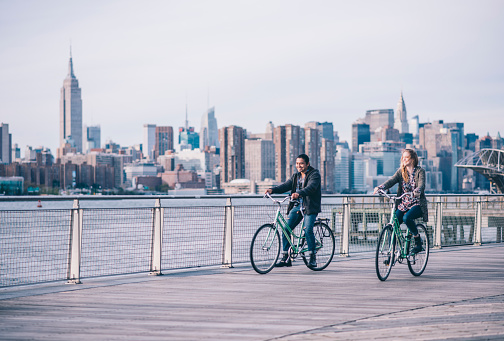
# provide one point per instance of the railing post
(439, 223)
(345, 231)
(479, 219)
(73, 274)
(227, 252)
(157, 239)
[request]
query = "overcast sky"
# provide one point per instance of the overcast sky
(289, 61)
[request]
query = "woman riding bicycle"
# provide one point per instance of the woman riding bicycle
(410, 178)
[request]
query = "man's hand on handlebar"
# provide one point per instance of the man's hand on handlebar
(294, 196)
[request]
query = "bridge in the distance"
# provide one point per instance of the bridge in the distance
(489, 163)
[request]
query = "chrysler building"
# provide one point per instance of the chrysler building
(71, 110)
(401, 120)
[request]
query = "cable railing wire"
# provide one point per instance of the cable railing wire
(117, 238)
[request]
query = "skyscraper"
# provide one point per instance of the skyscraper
(164, 140)
(288, 146)
(378, 118)
(93, 138)
(414, 126)
(5, 144)
(342, 163)
(188, 138)
(360, 134)
(401, 119)
(71, 109)
(149, 140)
(312, 146)
(327, 165)
(209, 134)
(259, 159)
(232, 153)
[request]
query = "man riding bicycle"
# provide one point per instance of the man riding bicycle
(305, 186)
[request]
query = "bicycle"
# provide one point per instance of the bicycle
(265, 246)
(394, 245)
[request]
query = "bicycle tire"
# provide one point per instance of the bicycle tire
(325, 245)
(265, 249)
(385, 253)
(418, 262)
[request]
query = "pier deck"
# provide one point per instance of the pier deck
(460, 296)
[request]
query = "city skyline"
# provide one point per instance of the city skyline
(329, 61)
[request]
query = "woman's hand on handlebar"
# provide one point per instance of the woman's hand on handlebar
(376, 189)
(294, 196)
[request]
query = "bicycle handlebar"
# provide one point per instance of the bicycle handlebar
(393, 197)
(267, 195)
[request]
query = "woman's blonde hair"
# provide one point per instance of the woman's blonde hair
(414, 157)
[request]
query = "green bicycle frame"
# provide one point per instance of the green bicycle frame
(404, 241)
(287, 231)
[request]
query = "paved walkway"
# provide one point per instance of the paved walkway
(460, 296)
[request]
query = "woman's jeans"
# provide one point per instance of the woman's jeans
(409, 218)
(293, 220)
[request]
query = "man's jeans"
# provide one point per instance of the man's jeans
(293, 220)
(409, 218)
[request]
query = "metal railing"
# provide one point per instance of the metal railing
(72, 238)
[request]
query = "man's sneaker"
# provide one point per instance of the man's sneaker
(418, 246)
(313, 261)
(285, 261)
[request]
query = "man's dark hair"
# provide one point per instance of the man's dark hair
(304, 157)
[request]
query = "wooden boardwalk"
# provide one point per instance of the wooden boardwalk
(460, 296)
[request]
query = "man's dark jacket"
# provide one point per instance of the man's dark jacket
(311, 192)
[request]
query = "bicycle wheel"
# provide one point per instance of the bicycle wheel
(265, 249)
(324, 244)
(418, 262)
(385, 253)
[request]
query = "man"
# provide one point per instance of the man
(305, 186)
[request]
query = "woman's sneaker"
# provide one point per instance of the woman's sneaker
(418, 246)
(313, 261)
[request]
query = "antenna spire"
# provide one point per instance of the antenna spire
(186, 120)
(70, 65)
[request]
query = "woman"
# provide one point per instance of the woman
(410, 178)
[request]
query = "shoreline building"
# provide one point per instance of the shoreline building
(232, 153)
(164, 140)
(259, 159)
(376, 119)
(149, 141)
(71, 110)
(288, 145)
(5, 144)
(93, 138)
(360, 135)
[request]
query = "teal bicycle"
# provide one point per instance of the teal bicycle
(395, 245)
(266, 245)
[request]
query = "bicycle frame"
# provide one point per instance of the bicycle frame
(280, 222)
(403, 240)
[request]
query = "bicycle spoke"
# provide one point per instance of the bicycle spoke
(264, 249)
(324, 246)
(385, 253)
(418, 262)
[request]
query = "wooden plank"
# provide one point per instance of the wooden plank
(461, 287)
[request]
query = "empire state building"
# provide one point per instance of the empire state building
(71, 110)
